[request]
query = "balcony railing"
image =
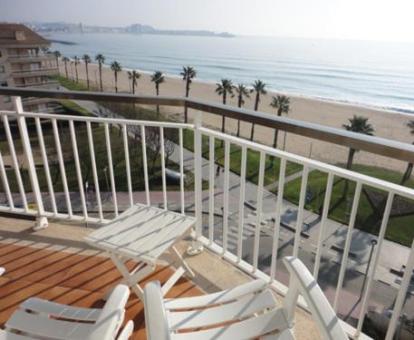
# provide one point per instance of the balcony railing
(42, 84)
(33, 73)
(29, 58)
(250, 241)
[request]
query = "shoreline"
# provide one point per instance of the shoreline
(387, 124)
(409, 113)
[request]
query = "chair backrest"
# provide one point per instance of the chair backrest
(302, 281)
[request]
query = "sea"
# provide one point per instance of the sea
(367, 73)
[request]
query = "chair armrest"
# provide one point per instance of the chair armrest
(155, 315)
(112, 315)
(126, 331)
(117, 299)
(322, 312)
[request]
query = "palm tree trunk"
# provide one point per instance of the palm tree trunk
(275, 138)
(133, 86)
(100, 76)
(252, 132)
(157, 90)
(348, 166)
(187, 92)
(350, 158)
(256, 102)
(57, 64)
(116, 81)
(256, 106)
(223, 121)
(76, 71)
(66, 70)
(407, 173)
(87, 75)
(239, 104)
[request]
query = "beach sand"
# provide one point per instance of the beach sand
(386, 124)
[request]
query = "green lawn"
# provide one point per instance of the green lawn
(400, 229)
(253, 159)
(70, 84)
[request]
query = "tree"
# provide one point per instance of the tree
(409, 169)
(57, 56)
(282, 105)
(242, 92)
(100, 59)
(116, 67)
(76, 63)
(153, 142)
(259, 88)
(157, 78)
(169, 147)
(65, 60)
(86, 59)
(188, 74)
(357, 124)
(133, 76)
(223, 88)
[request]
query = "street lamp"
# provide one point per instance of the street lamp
(373, 242)
(106, 180)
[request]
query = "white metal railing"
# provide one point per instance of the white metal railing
(225, 238)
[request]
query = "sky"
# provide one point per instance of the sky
(387, 20)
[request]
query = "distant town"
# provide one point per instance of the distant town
(62, 27)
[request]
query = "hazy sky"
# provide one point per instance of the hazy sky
(343, 19)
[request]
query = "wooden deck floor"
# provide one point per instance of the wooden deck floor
(70, 278)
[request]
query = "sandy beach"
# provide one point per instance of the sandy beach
(386, 124)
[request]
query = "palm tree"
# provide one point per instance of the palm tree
(57, 56)
(188, 74)
(86, 59)
(357, 124)
(133, 76)
(116, 67)
(157, 78)
(65, 60)
(282, 104)
(242, 92)
(259, 88)
(76, 62)
(223, 88)
(409, 170)
(100, 59)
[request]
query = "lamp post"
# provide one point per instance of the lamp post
(373, 244)
(106, 180)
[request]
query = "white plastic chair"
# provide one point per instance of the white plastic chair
(40, 319)
(244, 312)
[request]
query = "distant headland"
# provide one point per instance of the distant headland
(62, 27)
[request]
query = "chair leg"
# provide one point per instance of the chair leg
(183, 262)
(132, 279)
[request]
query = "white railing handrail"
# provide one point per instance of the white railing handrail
(121, 121)
(315, 164)
(318, 165)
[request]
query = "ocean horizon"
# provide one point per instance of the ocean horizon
(366, 73)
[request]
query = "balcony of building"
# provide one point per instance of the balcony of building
(35, 72)
(80, 172)
(30, 58)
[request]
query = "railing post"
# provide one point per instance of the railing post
(196, 247)
(41, 220)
